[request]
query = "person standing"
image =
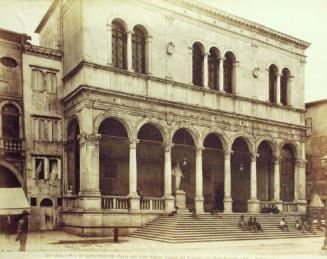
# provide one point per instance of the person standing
(22, 230)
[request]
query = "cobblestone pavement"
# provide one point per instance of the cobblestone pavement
(57, 244)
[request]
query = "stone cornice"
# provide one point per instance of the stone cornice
(238, 21)
(42, 51)
(83, 63)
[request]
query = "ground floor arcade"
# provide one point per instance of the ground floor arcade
(240, 173)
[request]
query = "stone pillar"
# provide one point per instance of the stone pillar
(21, 127)
(129, 51)
(221, 75)
(109, 44)
(277, 200)
(299, 188)
(190, 52)
(148, 56)
(90, 196)
(205, 70)
(46, 168)
(227, 184)
(290, 85)
(134, 198)
(253, 203)
(278, 88)
(169, 199)
(198, 181)
(235, 79)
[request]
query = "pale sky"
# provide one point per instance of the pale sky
(304, 19)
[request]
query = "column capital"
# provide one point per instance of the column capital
(199, 149)
(109, 27)
(129, 33)
(300, 163)
(167, 146)
(236, 64)
(149, 39)
(92, 139)
(133, 142)
(228, 153)
(221, 59)
(254, 157)
(206, 54)
(276, 159)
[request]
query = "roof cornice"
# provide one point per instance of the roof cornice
(238, 21)
(42, 51)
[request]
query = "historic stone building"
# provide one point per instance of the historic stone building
(149, 85)
(316, 148)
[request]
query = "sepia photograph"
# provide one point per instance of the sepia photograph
(163, 129)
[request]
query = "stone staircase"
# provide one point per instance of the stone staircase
(183, 228)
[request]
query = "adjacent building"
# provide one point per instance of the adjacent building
(115, 100)
(316, 148)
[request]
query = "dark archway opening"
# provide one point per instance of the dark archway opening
(73, 157)
(183, 152)
(265, 172)
(150, 161)
(213, 173)
(240, 173)
(8, 179)
(287, 174)
(114, 158)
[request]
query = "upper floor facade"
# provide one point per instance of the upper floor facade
(179, 52)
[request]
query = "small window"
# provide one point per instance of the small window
(8, 62)
(53, 164)
(59, 202)
(39, 169)
(33, 201)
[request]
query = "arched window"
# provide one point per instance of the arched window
(119, 42)
(10, 121)
(213, 66)
(284, 85)
(287, 173)
(273, 71)
(138, 50)
(229, 81)
(197, 57)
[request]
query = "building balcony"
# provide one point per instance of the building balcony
(166, 91)
(47, 147)
(11, 144)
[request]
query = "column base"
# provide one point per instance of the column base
(324, 247)
(254, 206)
(89, 201)
(134, 202)
(228, 202)
(301, 206)
(169, 203)
(199, 205)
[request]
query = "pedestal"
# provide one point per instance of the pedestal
(254, 206)
(228, 205)
(301, 206)
(180, 200)
(169, 204)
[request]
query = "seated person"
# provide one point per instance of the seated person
(256, 225)
(194, 214)
(275, 209)
(241, 223)
(174, 212)
(249, 224)
(283, 225)
(298, 226)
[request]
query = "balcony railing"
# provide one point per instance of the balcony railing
(11, 144)
(287, 206)
(152, 203)
(115, 202)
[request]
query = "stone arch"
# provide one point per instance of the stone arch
(12, 103)
(144, 27)
(193, 132)
(233, 51)
(14, 171)
(271, 142)
(274, 63)
(68, 123)
(194, 41)
(247, 138)
(45, 201)
(118, 116)
(219, 48)
(119, 18)
(156, 123)
(294, 147)
(220, 134)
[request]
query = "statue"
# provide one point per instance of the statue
(177, 172)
